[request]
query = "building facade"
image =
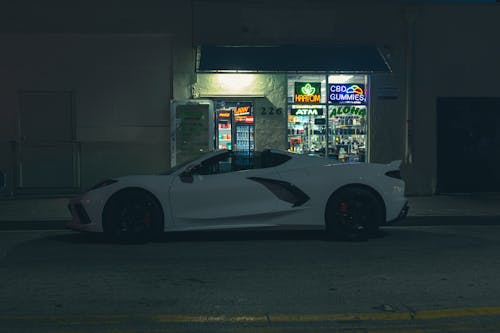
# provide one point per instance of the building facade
(87, 99)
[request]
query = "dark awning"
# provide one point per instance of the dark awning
(290, 58)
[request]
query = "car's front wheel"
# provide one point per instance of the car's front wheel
(353, 213)
(132, 215)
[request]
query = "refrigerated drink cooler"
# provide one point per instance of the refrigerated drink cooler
(235, 126)
(244, 137)
(224, 136)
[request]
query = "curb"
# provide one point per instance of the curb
(409, 221)
(33, 225)
(437, 220)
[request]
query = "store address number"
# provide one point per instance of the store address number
(270, 111)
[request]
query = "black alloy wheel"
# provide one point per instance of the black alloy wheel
(132, 215)
(353, 213)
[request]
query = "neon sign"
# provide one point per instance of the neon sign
(242, 110)
(307, 112)
(224, 114)
(245, 119)
(347, 94)
(307, 92)
(351, 110)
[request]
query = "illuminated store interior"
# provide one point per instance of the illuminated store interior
(322, 115)
(328, 115)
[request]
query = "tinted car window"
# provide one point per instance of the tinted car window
(271, 159)
(235, 161)
(215, 165)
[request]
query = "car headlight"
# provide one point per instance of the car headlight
(102, 184)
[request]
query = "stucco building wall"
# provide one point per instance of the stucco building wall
(456, 59)
(121, 89)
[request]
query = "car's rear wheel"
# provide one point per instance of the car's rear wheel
(132, 215)
(353, 213)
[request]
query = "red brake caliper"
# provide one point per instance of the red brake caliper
(344, 208)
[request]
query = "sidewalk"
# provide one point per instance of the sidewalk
(476, 204)
(33, 213)
(49, 213)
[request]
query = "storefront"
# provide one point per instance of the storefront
(316, 102)
(328, 115)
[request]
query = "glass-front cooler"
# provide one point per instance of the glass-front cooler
(224, 129)
(235, 126)
(244, 134)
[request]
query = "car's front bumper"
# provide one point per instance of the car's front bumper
(82, 212)
(402, 214)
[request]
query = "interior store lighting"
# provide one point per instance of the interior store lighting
(341, 78)
(235, 82)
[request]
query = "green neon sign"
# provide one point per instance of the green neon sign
(307, 92)
(347, 110)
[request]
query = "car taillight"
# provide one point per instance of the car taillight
(103, 183)
(394, 174)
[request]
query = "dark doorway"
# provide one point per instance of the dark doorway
(468, 145)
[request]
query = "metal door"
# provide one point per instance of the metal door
(468, 145)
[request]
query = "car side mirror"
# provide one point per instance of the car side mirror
(186, 177)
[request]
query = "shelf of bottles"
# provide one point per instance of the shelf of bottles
(349, 137)
(244, 138)
(346, 135)
(307, 134)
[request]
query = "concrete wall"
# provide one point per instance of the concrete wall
(122, 89)
(456, 59)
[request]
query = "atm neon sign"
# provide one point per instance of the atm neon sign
(306, 112)
(307, 92)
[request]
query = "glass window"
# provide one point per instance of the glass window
(347, 120)
(215, 165)
(333, 125)
(234, 161)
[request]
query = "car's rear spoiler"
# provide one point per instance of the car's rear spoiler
(394, 165)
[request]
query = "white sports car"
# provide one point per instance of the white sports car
(223, 189)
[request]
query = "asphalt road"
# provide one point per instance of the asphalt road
(415, 279)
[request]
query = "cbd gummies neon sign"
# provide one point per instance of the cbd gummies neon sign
(347, 94)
